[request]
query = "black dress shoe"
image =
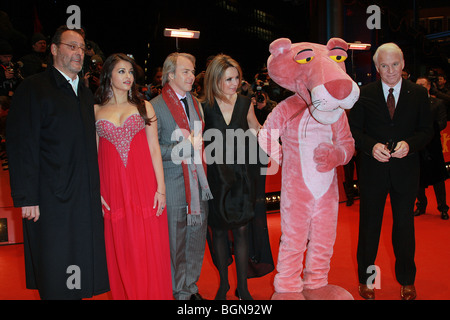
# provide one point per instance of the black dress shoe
(418, 212)
(444, 215)
(197, 296)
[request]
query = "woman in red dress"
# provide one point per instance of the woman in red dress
(132, 187)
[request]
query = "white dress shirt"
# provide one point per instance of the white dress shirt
(73, 83)
(396, 91)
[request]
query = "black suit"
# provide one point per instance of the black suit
(370, 123)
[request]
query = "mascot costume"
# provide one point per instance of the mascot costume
(315, 139)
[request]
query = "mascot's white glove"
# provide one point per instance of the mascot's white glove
(328, 156)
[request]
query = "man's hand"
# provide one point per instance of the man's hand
(401, 150)
(31, 212)
(196, 140)
(381, 153)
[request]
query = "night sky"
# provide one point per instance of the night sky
(136, 27)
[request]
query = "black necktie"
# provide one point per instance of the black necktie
(391, 102)
(186, 108)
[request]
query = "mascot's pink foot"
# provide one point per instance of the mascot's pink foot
(288, 296)
(328, 292)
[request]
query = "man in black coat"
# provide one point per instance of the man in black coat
(389, 164)
(38, 59)
(51, 146)
(432, 164)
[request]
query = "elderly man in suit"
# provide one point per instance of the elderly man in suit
(52, 150)
(390, 123)
(180, 124)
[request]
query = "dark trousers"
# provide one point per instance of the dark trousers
(372, 204)
(439, 191)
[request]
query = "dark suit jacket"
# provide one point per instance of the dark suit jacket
(52, 151)
(370, 123)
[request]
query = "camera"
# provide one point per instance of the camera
(433, 76)
(259, 94)
(15, 69)
(95, 67)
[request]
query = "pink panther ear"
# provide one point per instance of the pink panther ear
(337, 42)
(280, 46)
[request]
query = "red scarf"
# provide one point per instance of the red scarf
(177, 110)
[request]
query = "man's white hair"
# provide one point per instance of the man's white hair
(390, 46)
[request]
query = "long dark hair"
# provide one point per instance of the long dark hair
(104, 91)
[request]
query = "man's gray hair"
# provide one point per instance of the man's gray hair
(170, 64)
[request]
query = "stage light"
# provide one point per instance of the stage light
(359, 46)
(181, 33)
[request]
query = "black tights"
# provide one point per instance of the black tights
(220, 246)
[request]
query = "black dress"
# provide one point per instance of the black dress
(228, 169)
(238, 188)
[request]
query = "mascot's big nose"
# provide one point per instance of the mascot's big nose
(340, 89)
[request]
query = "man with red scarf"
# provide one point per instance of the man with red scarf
(180, 123)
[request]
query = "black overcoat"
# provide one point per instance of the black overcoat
(51, 146)
(432, 163)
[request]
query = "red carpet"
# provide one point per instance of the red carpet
(432, 260)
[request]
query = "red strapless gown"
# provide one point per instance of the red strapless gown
(137, 241)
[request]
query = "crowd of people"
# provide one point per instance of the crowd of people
(146, 237)
(110, 175)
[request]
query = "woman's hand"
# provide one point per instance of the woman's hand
(159, 202)
(104, 205)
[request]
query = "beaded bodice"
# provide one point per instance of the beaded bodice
(121, 136)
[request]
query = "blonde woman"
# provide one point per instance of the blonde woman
(232, 182)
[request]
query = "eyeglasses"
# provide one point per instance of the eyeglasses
(74, 47)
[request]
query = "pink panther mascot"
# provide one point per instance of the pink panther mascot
(315, 139)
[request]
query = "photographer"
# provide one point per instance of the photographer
(92, 50)
(245, 89)
(262, 104)
(38, 59)
(442, 84)
(92, 77)
(273, 90)
(10, 75)
(154, 88)
(437, 89)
